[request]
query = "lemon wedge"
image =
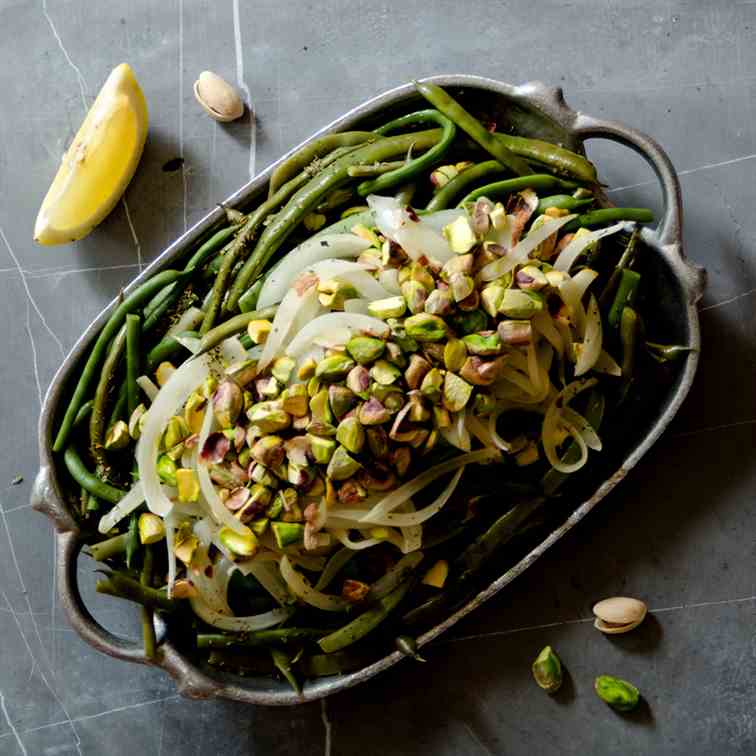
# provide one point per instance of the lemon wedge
(99, 164)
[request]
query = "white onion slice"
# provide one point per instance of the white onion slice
(573, 250)
(217, 507)
(416, 237)
(123, 508)
(409, 489)
(343, 536)
(192, 343)
(353, 272)
(583, 280)
(389, 279)
(148, 386)
(480, 430)
(170, 537)
(545, 326)
(583, 427)
(498, 441)
(190, 319)
(212, 590)
(571, 295)
(359, 306)
(591, 348)
(170, 399)
(238, 624)
(442, 218)
(607, 365)
(308, 253)
(521, 251)
(301, 588)
(455, 435)
(346, 321)
(231, 350)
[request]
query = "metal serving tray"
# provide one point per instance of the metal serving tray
(532, 109)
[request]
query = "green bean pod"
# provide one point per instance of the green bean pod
(233, 326)
(260, 638)
(536, 181)
(561, 202)
(445, 196)
(629, 330)
(473, 127)
(148, 626)
(627, 292)
(121, 586)
(283, 664)
(553, 156)
(88, 480)
(133, 359)
(610, 215)
(108, 548)
(248, 300)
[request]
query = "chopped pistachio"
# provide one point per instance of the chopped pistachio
(556, 277)
(239, 544)
(547, 670)
(372, 412)
(358, 380)
(320, 407)
(185, 543)
(287, 533)
(294, 400)
(531, 278)
(461, 285)
(459, 264)
(455, 353)
(258, 330)
(385, 373)
(342, 466)
(470, 302)
(400, 458)
(243, 371)
(399, 334)
(365, 349)
(457, 392)
(520, 304)
(267, 387)
(313, 385)
(322, 449)
(118, 436)
(164, 371)
(151, 528)
(490, 298)
(307, 369)
(619, 694)
(381, 533)
(333, 293)
(439, 302)
(391, 307)
(481, 372)
(437, 574)
(314, 221)
(481, 219)
(418, 367)
(460, 235)
(269, 417)
(301, 423)
(515, 332)
(188, 485)
(259, 526)
(414, 294)
(395, 355)
(432, 385)
(469, 322)
(424, 327)
(136, 421)
(297, 450)
(300, 475)
(367, 234)
(419, 272)
(378, 478)
(208, 386)
(378, 441)
(484, 344)
(166, 469)
(317, 428)
(418, 412)
(194, 412)
(268, 451)
(391, 397)
(282, 369)
(441, 418)
(227, 403)
(341, 399)
(248, 400)
(334, 368)
(260, 474)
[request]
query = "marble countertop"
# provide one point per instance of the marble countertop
(679, 532)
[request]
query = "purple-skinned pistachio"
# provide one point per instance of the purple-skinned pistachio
(372, 412)
(515, 332)
(351, 492)
(481, 220)
(215, 448)
(237, 498)
(400, 458)
(269, 451)
(358, 380)
(418, 367)
(297, 450)
(227, 403)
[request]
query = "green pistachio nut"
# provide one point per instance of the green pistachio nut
(351, 435)
(118, 436)
(459, 264)
(457, 392)
(439, 302)
(372, 412)
(420, 273)
(432, 385)
(294, 400)
(188, 485)
(261, 474)
(619, 694)
(259, 526)
(194, 411)
(469, 322)
(547, 670)
(498, 217)
(391, 397)
(175, 432)
(377, 441)
(313, 384)
(417, 370)
(239, 544)
(298, 450)
(531, 278)
(333, 293)
(151, 528)
(334, 368)
(414, 294)
(484, 404)
(490, 298)
(395, 355)
(481, 372)
(268, 451)
(399, 334)
(358, 380)
(455, 354)
(300, 475)
(210, 384)
(520, 304)
(385, 373)
(317, 428)
(401, 458)
(136, 421)
(245, 457)
(242, 372)
(342, 466)
(320, 407)
(307, 369)
(515, 332)
(341, 399)
(267, 387)
(287, 533)
(486, 344)
(282, 369)
(391, 307)
(418, 412)
(460, 235)
(555, 277)
(166, 469)
(461, 285)
(365, 349)
(424, 327)
(227, 403)
(322, 449)
(481, 216)
(367, 234)
(269, 417)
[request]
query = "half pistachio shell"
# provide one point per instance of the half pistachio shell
(218, 98)
(619, 615)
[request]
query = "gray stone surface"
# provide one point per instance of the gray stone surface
(679, 532)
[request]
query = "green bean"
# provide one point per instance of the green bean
(316, 149)
(627, 292)
(561, 202)
(346, 224)
(132, 543)
(83, 413)
(232, 326)
(376, 169)
(350, 212)
(537, 181)
(245, 341)
(259, 638)
(241, 664)
(472, 127)
(367, 621)
(334, 565)
(248, 300)
(88, 480)
(625, 261)
(119, 405)
(284, 223)
(122, 586)
(629, 329)
(444, 197)
(557, 158)
(83, 502)
(610, 215)
(594, 414)
(164, 350)
(133, 302)
(133, 358)
(406, 193)
(97, 418)
(411, 168)
(667, 352)
(148, 625)
(93, 505)
(108, 548)
(337, 198)
(323, 665)
(282, 662)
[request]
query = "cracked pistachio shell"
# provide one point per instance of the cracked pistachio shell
(217, 97)
(619, 614)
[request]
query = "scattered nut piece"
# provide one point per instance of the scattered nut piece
(619, 615)
(218, 98)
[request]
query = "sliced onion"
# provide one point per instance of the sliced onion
(409, 489)
(269, 577)
(238, 624)
(591, 348)
(192, 343)
(346, 321)
(301, 588)
(522, 382)
(412, 534)
(123, 508)
(545, 326)
(389, 279)
(148, 386)
(360, 306)
(170, 399)
(190, 319)
(343, 536)
(212, 589)
(583, 280)
(583, 427)
(170, 537)
(571, 295)
(478, 429)
(231, 350)
(566, 333)
(456, 434)
(421, 515)
(354, 273)
(293, 306)
(416, 237)
(521, 251)
(442, 218)
(217, 507)
(498, 441)
(607, 365)
(395, 575)
(281, 278)
(573, 250)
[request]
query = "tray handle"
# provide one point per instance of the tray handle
(668, 233)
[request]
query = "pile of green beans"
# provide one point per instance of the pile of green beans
(227, 270)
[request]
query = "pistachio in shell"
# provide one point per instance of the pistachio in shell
(619, 614)
(218, 98)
